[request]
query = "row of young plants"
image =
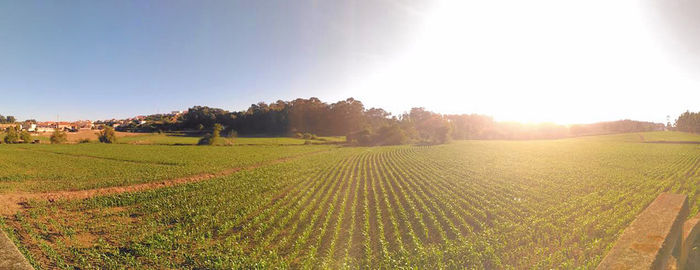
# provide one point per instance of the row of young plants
(85, 166)
(479, 204)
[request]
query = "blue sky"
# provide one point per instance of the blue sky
(99, 59)
(534, 62)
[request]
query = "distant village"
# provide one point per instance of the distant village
(81, 125)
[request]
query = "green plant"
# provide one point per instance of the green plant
(11, 135)
(107, 135)
(25, 136)
(58, 137)
(468, 204)
(86, 140)
(214, 138)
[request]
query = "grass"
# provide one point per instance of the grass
(175, 139)
(479, 204)
(672, 136)
(27, 167)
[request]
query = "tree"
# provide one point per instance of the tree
(205, 116)
(107, 135)
(58, 137)
(688, 122)
(25, 136)
(217, 131)
(430, 127)
(11, 135)
(214, 138)
(362, 137)
(390, 135)
(345, 116)
(11, 119)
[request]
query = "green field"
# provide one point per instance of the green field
(176, 139)
(478, 204)
(28, 167)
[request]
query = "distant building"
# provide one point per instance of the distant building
(81, 125)
(45, 127)
(28, 126)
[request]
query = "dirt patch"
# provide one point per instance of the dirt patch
(11, 203)
(84, 240)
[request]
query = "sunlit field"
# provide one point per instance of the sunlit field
(479, 204)
(175, 139)
(28, 167)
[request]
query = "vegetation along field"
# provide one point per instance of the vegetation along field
(480, 204)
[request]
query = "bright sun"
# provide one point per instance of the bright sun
(521, 61)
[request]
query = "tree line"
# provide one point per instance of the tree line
(373, 126)
(688, 122)
(7, 119)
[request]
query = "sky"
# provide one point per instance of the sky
(529, 61)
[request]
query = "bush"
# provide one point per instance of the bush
(214, 138)
(362, 137)
(309, 136)
(298, 135)
(390, 135)
(386, 135)
(11, 135)
(58, 137)
(86, 140)
(107, 135)
(25, 136)
(230, 133)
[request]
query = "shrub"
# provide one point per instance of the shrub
(386, 135)
(25, 136)
(230, 133)
(390, 135)
(11, 135)
(214, 138)
(107, 135)
(207, 139)
(298, 135)
(309, 136)
(86, 140)
(217, 130)
(58, 137)
(362, 137)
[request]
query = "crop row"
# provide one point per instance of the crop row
(481, 204)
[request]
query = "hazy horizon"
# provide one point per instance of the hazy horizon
(541, 61)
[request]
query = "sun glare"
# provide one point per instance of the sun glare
(521, 61)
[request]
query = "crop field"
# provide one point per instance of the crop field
(179, 139)
(27, 167)
(476, 204)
